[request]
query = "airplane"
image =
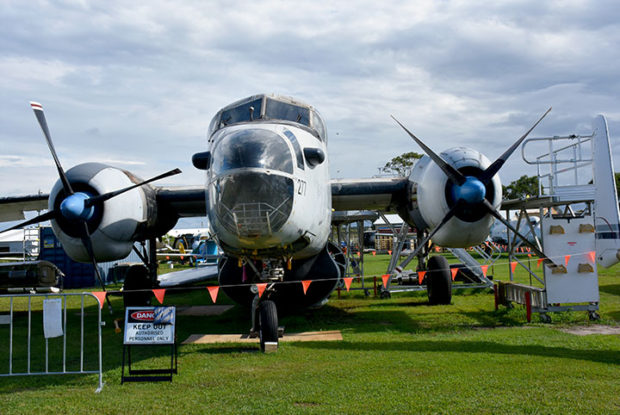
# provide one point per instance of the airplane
(269, 202)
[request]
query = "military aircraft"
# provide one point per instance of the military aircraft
(269, 201)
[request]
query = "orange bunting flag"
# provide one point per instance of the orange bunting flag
(540, 260)
(513, 266)
(159, 294)
(213, 292)
(529, 255)
(261, 289)
(374, 253)
(306, 284)
(385, 278)
(347, 282)
(566, 259)
(359, 253)
(592, 256)
(454, 271)
(390, 252)
(484, 269)
(421, 275)
(100, 296)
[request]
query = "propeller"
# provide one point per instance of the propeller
(469, 191)
(78, 207)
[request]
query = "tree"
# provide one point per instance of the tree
(617, 176)
(401, 165)
(525, 186)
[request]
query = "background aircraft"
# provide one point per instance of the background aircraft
(269, 202)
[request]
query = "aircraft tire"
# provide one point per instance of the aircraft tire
(137, 278)
(439, 281)
(268, 323)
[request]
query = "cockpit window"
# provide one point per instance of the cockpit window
(277, 110)
(252, 148)
(249, 111)
(270, 109)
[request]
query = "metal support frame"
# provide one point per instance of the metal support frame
(64, 371)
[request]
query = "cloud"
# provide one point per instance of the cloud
(139, 83)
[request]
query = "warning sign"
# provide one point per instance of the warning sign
(149, 325)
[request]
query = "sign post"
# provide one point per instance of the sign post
(149, 326)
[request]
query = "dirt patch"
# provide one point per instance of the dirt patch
(594, 329)
(309, 336)
(203, 310)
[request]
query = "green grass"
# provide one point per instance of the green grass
(398, 356)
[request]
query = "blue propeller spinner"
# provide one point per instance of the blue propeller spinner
(472, 191)
(74, 207)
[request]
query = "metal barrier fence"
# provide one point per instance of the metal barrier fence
(14, 325)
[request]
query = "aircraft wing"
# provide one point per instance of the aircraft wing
(13, 208)
(184, 201)
(188, 276)
(384, 194)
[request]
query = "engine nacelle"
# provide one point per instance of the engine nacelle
(116, 224)
(433, 197)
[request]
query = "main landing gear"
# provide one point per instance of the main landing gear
(439, 281)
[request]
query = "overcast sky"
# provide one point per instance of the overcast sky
(136, 85)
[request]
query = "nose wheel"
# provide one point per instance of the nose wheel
(268, 326)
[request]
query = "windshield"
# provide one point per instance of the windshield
(277, 110)
(252, 148)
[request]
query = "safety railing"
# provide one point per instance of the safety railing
(22, 310)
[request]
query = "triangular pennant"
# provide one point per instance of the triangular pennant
(261, 289)
(540, 260)
(347, 282)
(454, 271)
(159, 294)
(213, 292)
(374, 253)
(592, 256)
(389, 252)
(306, 284)
(513, 266)
(421, 275)
(484, 269)
(100, 296)
(359, 253)
(385, 278)
(529, 255)
(566, 259)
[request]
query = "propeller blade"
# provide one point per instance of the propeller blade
(88, 244)
(421, 244)
(38, 112)
(41, 218)
(453, 174)
(102, 198)
(492, 170)
(503, 220)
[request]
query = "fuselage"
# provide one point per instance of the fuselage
(268, 192)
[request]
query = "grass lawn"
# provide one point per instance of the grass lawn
(398, 356)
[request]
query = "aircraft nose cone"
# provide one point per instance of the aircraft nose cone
(472, 191)
(73, 207)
